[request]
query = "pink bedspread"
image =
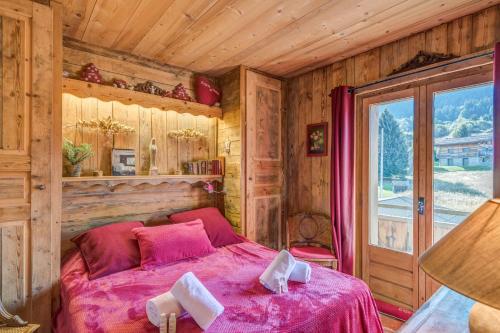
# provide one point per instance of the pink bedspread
(331, 302)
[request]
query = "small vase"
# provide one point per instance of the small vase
(76, 170)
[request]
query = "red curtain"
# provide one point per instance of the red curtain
(496, 121)
(342, 177)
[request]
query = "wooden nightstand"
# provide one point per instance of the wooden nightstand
(31, 328)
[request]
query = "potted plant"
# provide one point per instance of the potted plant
(75, 155)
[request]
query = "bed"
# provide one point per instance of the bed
(330, 302)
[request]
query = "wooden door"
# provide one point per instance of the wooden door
(264, 160)
(29, 159)
(390, 167)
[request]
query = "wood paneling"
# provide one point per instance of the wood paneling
(29, 121)
(308, 101)
(231, 129)
(117, 65)
(148, 123)
(90, 202)
(277, 37)
(15, 208)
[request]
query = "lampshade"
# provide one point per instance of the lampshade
(467, 259)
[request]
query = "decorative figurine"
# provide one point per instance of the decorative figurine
(149, 88)
(90, 73)
(180, 92)
(153, 149)
(122, 84)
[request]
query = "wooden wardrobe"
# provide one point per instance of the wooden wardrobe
(30, 157)
(251, 137)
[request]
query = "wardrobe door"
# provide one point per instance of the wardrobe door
(28, 230)
(264, 160)
(15, 160)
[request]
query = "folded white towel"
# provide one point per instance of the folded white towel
(275, 277)
(164, 303)
(197, 300)
(301, 272)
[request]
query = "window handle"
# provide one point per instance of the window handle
(421, 206)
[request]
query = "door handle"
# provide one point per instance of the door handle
(421, 206)
(40, 187)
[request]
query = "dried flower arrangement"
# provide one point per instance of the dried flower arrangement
(186, 133)
(108, 126)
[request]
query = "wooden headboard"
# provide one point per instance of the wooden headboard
(89, 202)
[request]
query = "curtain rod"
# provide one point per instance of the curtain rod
(444, 64)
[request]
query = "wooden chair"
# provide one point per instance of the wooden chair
(309, 237)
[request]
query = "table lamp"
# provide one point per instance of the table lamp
(467, 260)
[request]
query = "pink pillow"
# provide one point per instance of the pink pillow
(218, 229)
(168, 243)
(109, 249)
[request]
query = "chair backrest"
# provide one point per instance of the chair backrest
(309, 229)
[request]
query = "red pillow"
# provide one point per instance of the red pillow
(109, 249)
(172, 242)
(218, 229)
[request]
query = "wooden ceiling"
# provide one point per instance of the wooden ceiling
(280, 37)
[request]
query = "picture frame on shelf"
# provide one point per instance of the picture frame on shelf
(317, 139)
(123, 162)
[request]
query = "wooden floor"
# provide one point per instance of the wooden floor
(390, 324)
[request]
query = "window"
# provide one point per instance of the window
(468, 182)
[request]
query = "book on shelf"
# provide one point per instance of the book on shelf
(205, 167)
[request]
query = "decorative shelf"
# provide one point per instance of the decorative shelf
(137, 180)
(109, 93)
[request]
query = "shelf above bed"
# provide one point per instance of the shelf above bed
(137, 180)
(85, 89)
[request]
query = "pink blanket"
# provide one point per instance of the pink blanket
(331, 302)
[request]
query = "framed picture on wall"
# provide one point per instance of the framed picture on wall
(317, 140)
(123, 162)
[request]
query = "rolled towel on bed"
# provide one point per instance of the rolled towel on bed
(164, 303)
(301, 272)
(275, 277)
(197, 300)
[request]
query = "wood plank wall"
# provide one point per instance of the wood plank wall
(230, 128)
(118, 65)
(148, 122)
(87, 206)
(308, 101)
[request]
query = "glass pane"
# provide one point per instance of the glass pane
(463, 154)
(391, 175)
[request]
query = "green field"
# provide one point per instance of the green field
(457, 188)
